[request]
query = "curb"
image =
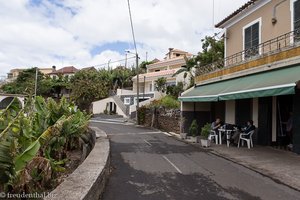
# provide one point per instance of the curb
(88, 181)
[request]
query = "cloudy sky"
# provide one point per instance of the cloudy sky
(91, 32)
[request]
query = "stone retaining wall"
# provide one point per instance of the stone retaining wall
(169, 122)
(87, 182)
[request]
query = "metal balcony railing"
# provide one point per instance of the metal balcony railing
(285, 41)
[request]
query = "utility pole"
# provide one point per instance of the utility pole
(137, 64)
(108, 64)
(36, 77)
(146, 56)
(126, 60)
(137, 85)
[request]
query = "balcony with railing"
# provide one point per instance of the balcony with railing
(283, 47)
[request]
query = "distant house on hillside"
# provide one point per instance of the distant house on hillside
(66, 72)
(14, 73)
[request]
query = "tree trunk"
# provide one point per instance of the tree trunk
(153, 116)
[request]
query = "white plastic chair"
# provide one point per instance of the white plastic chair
(243, 137)
(214, 135)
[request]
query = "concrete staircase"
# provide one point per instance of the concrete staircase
(120, 103)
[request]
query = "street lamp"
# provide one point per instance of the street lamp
(137, 82)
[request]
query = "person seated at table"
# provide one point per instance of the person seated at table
(215, 126)
(250, 127)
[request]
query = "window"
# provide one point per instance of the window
(297, 20)
(251, 40)
(127, 101)
(170, 83)
(150, 87)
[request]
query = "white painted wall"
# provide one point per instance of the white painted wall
(100, 106)
(21, 98)
(230, 112)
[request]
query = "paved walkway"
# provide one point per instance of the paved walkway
(280, 165)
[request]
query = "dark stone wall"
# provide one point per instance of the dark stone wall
(165, 120)
(296, 123)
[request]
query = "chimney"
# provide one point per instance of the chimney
(170, 49)
(53, 68)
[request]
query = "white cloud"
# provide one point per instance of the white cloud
(48, 34)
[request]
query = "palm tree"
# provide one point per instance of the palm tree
(188, 69)
(160, 84)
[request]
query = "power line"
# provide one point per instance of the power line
(115, 61)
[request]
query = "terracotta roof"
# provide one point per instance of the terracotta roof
(237, 12)
(157, 74)
(65, 70)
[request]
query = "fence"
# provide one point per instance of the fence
(288, 40)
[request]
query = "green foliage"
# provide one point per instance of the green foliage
(175, 90)
(205, 130)
(84, 87)
(24, 84)
(88, 86)
(170, 102)
(194, 129)
(143, 65)
(212, 50)
(188, 69)
(33, 141)
(142, 115)
(160, 84)
(122, 77)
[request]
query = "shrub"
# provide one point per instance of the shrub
(205, 130)
(194, 129)
(175, 90)
(169, 102)
(141, 115)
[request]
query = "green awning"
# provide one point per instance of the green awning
(269, 83)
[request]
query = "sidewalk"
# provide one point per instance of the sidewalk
(282, 166)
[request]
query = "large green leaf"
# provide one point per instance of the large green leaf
(27, 155)
(31, 151)
(6, 160)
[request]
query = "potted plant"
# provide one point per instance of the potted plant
(205, 131)
(193, 132)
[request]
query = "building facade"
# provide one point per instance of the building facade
(65, 72)
(259, 77)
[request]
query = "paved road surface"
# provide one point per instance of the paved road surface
(148, 165)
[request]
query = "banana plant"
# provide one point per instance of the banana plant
(30, 137)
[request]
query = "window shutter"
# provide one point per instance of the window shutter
(248, 38)
(255, 34)
(251, 40)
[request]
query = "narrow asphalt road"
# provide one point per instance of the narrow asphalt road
(147, 164)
